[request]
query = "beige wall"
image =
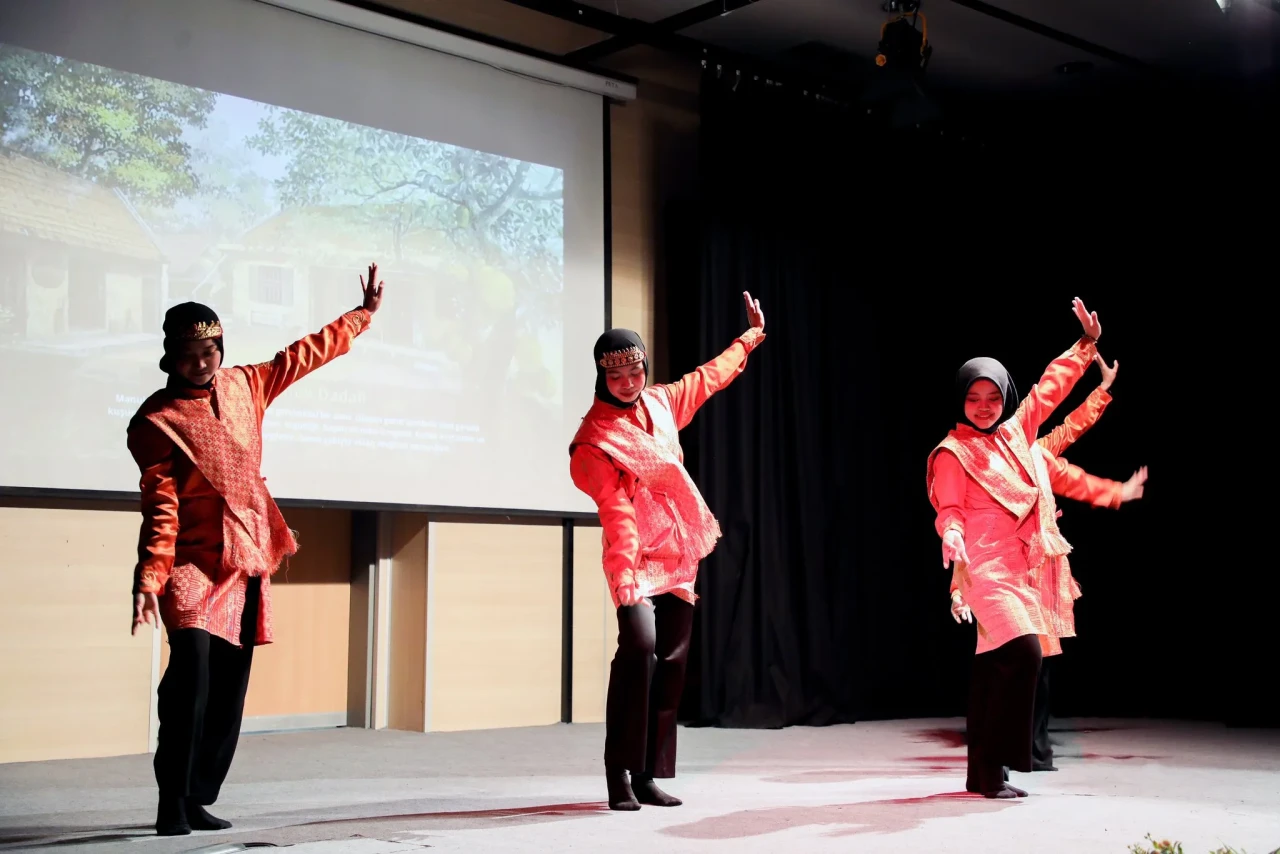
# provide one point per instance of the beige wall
(470, 627)
(64, 635)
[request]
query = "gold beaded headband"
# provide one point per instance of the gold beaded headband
(202, 330)
(622, 358)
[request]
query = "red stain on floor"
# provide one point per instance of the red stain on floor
(844, 775)
(1121, 757)
(522, 815)
(945, 737)
(940, 760)
(885, 816)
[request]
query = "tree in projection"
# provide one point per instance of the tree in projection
(117, 129)
(504, 216)
(485, 202)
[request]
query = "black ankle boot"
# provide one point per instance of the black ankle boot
(171, 817)
(647, 792)
(200, 819)
(620, 795)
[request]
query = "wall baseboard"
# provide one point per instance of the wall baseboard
(283, 723)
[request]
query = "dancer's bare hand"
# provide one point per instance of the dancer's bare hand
(754, 315)
(1108, 374)
(1133, 487)
(629, 594)
(146, 609)
(959, 610)
(1088, 319)
(953, 548)
(372, 292)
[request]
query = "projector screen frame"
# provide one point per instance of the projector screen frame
(16, 495)
(461, 43)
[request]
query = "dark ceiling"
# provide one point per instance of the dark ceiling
(976, 44)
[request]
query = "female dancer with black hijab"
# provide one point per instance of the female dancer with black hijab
(627, 457)
(995, 514)
(1073, 482)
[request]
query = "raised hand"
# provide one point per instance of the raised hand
(1088, 319)
(953, 549)
(1133, 487)
(372, 292)
(146, 609)
(754, 315)
(1108, 374)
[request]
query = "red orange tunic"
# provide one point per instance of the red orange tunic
(1069, 480)
(656, 526)
(208, 522)
(996, 492)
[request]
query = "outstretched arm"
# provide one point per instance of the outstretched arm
(1071, 481)
(270, 379)
(688, 393)
(1077, 423)
(1086, 414)
(1061, 375)
(596, 475)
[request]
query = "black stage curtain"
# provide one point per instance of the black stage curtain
(882, 262)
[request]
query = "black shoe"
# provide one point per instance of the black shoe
(1043, 766)
(199, 819)
(620, 795)
(647, 792)
(171, 818)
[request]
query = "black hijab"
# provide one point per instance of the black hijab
(986, 369)
(615, 349)
(188, 321)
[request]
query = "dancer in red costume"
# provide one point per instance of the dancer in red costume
(211, 538)
(627, 457)
(1072, 482)
(995, 515)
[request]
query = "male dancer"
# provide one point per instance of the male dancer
(211, 538)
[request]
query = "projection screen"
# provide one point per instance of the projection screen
(256, 159)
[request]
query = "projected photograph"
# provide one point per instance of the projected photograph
(122, 195)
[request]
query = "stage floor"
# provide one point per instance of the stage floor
(889, 786)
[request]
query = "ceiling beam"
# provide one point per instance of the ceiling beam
(984, 8)
(660, 35)
(643, 32)
(672, 24)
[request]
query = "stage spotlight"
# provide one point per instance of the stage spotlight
(902, 46)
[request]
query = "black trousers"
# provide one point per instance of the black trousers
(201, 704)
(1041, 748)
(645, 683)
(1002, 693)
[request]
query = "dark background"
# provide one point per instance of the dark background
(883, 259)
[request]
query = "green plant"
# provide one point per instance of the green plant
(1164, 846)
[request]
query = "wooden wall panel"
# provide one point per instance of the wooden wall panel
(65, 613)
(407, 689)
(595, 627)
(305, 671)
(493, 626)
